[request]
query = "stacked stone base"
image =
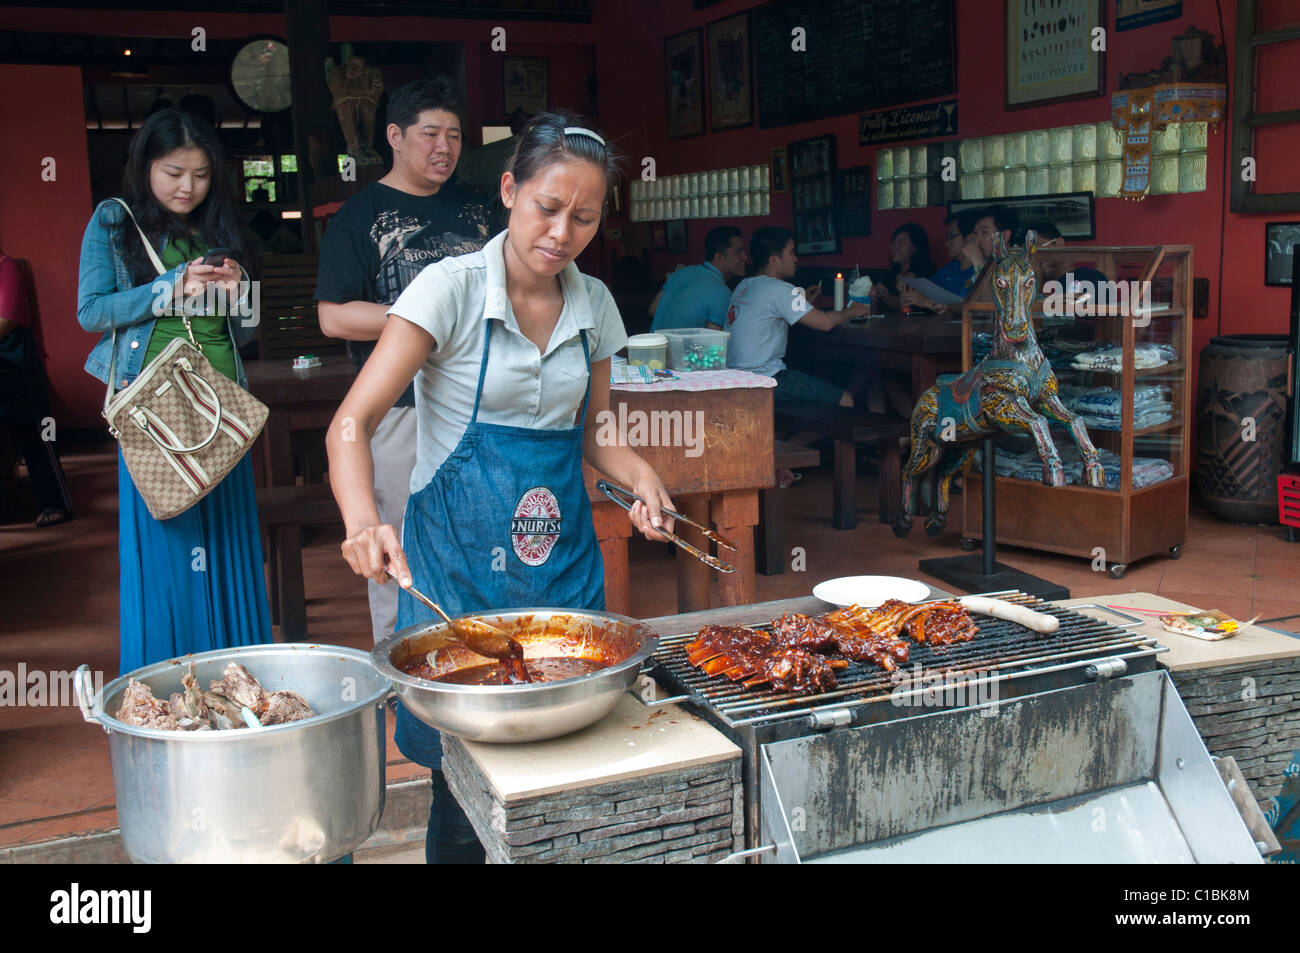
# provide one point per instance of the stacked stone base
(1250, 712)
(685, 816)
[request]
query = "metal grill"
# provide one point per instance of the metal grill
(1002, 651)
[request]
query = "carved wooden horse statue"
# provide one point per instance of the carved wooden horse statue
(1012, 389)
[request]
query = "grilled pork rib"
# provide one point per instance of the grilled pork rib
(801, 652)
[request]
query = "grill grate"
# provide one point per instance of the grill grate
(1002, 649)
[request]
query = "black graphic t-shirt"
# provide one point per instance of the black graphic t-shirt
(382, 238)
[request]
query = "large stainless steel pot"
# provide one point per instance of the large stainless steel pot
(308, 791)
(515, 713)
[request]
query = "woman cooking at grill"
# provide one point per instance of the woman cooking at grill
(509, 348)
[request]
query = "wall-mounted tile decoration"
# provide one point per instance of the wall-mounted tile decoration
(1083, 158)
(1165, 142)
(885, 194)
(1014, 153)
(1110, 177)
(1037, 150)
(1164, 175)
(1191, 172)
(715, 193)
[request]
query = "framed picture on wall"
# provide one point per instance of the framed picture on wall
(1049, 51)
(675, 231)
(525, 84)
(780, 171)
(684, 69)
(730, 86)
(1071, 212)
(812, 184)
(1280, 239)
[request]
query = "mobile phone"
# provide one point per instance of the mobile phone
(215, 256)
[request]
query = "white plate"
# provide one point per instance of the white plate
(870, 591)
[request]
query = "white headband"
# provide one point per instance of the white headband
(579, 131)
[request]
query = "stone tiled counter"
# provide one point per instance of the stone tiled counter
(1243, 693)
(644, 785)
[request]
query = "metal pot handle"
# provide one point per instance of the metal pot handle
(752, 852)
(83, 688)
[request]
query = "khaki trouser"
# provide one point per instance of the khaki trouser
(393, 449)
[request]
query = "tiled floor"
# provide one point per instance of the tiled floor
(61, 611)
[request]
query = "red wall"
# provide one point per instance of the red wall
(44, 221)
(632, 96)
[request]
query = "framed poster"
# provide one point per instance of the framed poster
(524, 84)
(659, 236)
(684, 71)
(780, 171)
(1280, 239)
(730, 85)
(1049, 53)
(812, 184)
(675, 231)
(1131, 14)
(1071, 212)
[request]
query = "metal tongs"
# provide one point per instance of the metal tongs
(617, 493)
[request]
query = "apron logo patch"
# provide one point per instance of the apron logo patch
(535, 526)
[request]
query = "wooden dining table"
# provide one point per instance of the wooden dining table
(717, 486)
(297, 400)
(921, 345)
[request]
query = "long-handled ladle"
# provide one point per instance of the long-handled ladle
(487, 640)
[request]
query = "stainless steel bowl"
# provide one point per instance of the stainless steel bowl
(308, 791)
(515, 713)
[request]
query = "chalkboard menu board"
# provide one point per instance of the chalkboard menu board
(856, 56)
(856, 186)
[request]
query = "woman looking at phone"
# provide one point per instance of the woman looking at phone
(193, 582)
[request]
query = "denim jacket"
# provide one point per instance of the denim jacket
(107, 299)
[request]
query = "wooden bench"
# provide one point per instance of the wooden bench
(283, 511)
(770, 540)
(849, 427)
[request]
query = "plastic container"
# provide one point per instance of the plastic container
(697, 349)
(648, 349)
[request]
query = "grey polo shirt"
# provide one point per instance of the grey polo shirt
(455, 299)
(759, 319)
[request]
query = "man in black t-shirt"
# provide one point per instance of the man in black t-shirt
(375, 245)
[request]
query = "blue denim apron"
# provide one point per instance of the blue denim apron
(505, 523)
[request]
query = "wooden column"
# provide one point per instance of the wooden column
(307, 29)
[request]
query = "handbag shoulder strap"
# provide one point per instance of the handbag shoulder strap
(162, 270)
(153, 255)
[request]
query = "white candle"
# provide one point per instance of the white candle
(839, 291)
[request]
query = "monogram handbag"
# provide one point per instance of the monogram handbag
(182, 424)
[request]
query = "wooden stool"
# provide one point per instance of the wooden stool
(849, 427)
(283, 511)
(770, 542)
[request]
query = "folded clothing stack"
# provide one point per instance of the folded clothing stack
(1017, 457)
(1110, 357)
(1100, 407)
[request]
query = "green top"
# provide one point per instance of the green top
(210, 330)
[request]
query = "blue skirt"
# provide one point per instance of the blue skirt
(193, 582)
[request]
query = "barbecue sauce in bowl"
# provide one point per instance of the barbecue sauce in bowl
(553, 669)
(563, 647)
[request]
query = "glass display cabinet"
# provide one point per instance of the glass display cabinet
(1115, 324)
